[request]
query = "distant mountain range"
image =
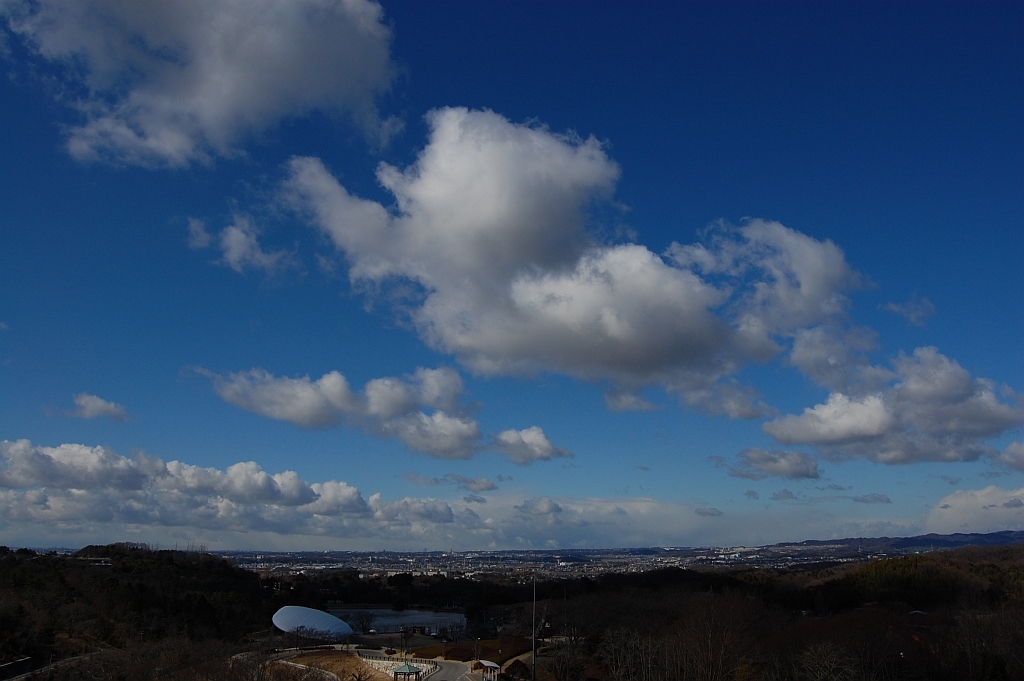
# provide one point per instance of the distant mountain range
(849, 545)
(923, 542)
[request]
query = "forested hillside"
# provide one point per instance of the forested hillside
(117, 595)
(955, 615)
(141, 614)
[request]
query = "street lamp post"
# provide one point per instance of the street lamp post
(533, 632)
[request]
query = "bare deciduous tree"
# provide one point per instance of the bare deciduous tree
(827, 661)
(362, 619)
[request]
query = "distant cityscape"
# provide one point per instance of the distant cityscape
(522, 565)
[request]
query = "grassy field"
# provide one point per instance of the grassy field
(345, 665)
(495, 650)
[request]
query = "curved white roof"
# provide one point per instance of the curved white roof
(294, 619)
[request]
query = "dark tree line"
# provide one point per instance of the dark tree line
(945, 616)
(143, 614)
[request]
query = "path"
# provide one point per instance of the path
(449, 671)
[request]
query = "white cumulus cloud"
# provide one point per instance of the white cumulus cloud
(838, 420)
(439, 434)
(933, 410)
(410, 510)
(94, 495)
(335, 497)
(836, 358)
(240, 245)
(74, 484)
(540, 506)
(301, 401)
(525, 446)
(70, 465)
(491, 226)
(244, 483)
(1012, 456)
(171, 82)
(800, 281)
(90, 407)
(978, 510)
(386, 407)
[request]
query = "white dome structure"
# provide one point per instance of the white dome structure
(310, 623)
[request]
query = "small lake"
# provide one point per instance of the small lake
(386, 620)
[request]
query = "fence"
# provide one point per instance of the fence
(386, 663)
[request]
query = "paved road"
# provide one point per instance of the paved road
(54, 665)
(449, 671)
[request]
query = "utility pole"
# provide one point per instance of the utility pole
(533, 665)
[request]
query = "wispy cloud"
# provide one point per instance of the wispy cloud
(463, 482)
(756, 464)
(424, 480)
(198, 237)
(472, 484)
(242, 250)
(872, 499)
(915, 311)
(90, 407)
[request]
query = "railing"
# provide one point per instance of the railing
(16, 667)
(386, 663)
(330, 676)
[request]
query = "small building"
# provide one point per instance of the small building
(490, 669)
(407, 672)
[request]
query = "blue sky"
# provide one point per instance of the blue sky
(345, 275)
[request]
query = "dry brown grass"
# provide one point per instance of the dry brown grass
(497, 650)
(345, 665)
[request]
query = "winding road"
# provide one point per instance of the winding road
(449, 671)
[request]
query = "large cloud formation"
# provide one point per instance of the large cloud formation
(931, 410)
(387, 407)
(490, 226)
(86, 492)
(170, 82)
(978, 510)
(73, 484)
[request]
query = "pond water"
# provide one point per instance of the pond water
(386, 620)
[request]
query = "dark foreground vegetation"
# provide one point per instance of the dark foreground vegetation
(127, 612)
(945, 615)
